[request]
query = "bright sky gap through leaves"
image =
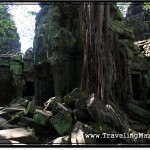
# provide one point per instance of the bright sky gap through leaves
(25, 22)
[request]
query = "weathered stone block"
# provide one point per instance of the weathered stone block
(5, 125)
(138, 113)
(18, 134)
(72, 97)
(97, 110)
(62, 140)
(19, 102)
(62, 122)
(42, 117)
(19, 114)
(107, 114)
(15, 118)
(55, 107)
(81, 106)
(50, 104)
(31, 107)
(13, 110)
(79, 134)
(5, 115)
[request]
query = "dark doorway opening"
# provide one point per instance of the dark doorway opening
(51, 92)
(29, 88)
(136, 84)
(7, 92)
(47, 89)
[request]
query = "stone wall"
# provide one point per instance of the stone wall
(10, 77)
(139, 20)
(57, 50)
(16, 76)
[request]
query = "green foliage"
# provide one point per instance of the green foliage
(8, 30)
(146, 5)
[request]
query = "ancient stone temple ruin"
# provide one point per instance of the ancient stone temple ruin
(16, 77)
(57, 51)
(138, 19)
(10, 73)
(10, 69)
(84, 76)
(28, 73)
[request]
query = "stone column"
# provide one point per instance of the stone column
(19, 87)
(57, 75)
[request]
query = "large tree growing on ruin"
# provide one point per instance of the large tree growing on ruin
(105, 69)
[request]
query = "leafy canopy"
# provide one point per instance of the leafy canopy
(8, 28)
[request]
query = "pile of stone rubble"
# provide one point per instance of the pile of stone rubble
(69, 121)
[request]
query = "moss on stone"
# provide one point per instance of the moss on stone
(41, 117)
(51, 103)
(73, 96)
(62, 122)
(19, 115)
(31, 107)
(139, 111)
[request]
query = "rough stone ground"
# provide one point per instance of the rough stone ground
(69, 122)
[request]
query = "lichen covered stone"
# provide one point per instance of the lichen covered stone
(41, 117)
(73, 96)
(31, 107)
(48, 105)
(62, 122)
